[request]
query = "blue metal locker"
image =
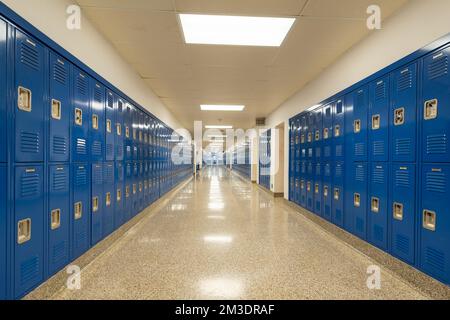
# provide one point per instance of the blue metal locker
(140, 184)
(337, 194)
(303, 181)
(379, 119)
(119, 209)
(435, 107)
(293, 149)
(141, 136)
(403, 209)
(29, 229)
(404, 114)
(81, 204)
(120, 130)
(318, 185)
(146, 184)
(327, 191)
(360, 102)
(58, 219)
(3, 94)
(128, 124)
(109, 193)
(134, 189)
(97, 212)
(310, 117)
(146, 137)
(59, 110)
(97, 127)
(80, 117)
(358, 204)
(377, 222)
(327, 133)
(434, 220)
(310, 186)
(338, 144)
(110, 128)
(297, 178)
(29, 95)
(318, 128)
(3, 229)
(135, 128)
(128, 204)
(302, 129)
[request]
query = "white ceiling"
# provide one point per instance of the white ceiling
(147, 34)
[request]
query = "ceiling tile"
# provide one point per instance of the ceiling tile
(156, 5)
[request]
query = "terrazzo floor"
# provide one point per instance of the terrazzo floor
(221, 237)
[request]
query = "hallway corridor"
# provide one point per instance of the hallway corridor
(221, 237)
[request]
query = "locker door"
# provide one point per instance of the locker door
(435, 221)
(338, 131)
(29, 96)
(379, 120)
(120, 130)
(109, 193)
(293, 149)
(128, 192)
(146, 135)
(402, 217)
(298, 177)
(337, 194)
(303, 181)
(404, 114)
(135, 128)
(358, 204)
(29, 229)
(3, 103)
(119, 210)
(134, 189)
(310, 186)
(310, 136)
(318, 185)
(360, 101)
(318, 130)
(59, 109)
(97, 214)
(141, 186)
(97, 127)
(327, 133)
(128, 123)
(58, 218)
(435, 109)
(110, 126)
(377, 231)
(80, 117)
(146, 190)
(81, 182)
(141, 135)
(326, 191)
(302, 129)
(3, 222)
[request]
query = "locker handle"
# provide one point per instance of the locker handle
(24, 99)
(429, 220)
(317, 135)
(127, 132)
(127, 191)
(375, 205)
(316, 188)
(398, 211)
(337, 194)
(376, 122)
(308, 186)
(119, 129)
(399, 116)
(310, 137)
(337, 131)
(357, 126)
(108, 126)
(55, 219)
(95, 204)
(78, 210)
(78, 117)
(325, 191)
(95, 122)
(357, 200)
(56, 109)
(24, 231)
(431, 109)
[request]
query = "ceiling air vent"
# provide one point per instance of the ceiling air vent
(260, 122)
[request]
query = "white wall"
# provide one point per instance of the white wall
(417, 24)
(88, 45)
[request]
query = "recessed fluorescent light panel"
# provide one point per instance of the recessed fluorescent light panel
(219, 127)
(235, 30)
(209, 107)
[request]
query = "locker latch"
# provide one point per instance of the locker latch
(127, 132)
(23, 231)
(78, 209)
(357, 200)
(119, 195)
(376, 122)
(357, 126)
(56, 109)
(127, 191)
(399, 116)
(134, 188)
(140, 135)
(317, 135)
(119, 129)
(140, 186)
(375, 205)
(134, 134)
(55, 219)
(325, 191)
(108, 126)
(326, 133)
(24, 99)
(309, 137)
(398, 211)
(302, 140)
(308, 186)
(95, 122)
(337, 131)
(337, 194)
(302, 185)
(78, 117)
(316, 188)
(95, 204)
(108, 199)
(429, 220)
(431, 109)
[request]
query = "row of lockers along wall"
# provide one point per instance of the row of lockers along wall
(242, 161)
(264, 159)
(377, 162)
(81, 161)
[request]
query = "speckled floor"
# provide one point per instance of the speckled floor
(221, 237)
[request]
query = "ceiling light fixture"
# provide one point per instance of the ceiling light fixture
(212, 107)
(235, 30)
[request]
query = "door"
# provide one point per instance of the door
(337, 193)
(358, 204)
(327, 191)
(97, 209)
(378, 205)
(81, 208)
(110, 126)
(379, 120)
(109, 193)
(97, 127)
(81, 114)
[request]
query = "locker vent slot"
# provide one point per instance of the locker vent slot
(403, 146)
(55, 219)
(59, 252)
(437, 144)
(438, 68)
(59, 73)
(98, 94)
(29, 270)
(59, 145)
(380, 91)
(339, 107)
(378, 175)
(81, 146)
(109, 149)
(402, 179)
(81, 84)
(339, 171)
(23, 231)
(378, 233)
(435, 182)
(435, 259)
(56, 109)
(29, 56)
(29, 142)
(81, 177)
(359, 149)
(29, 186)
(327, 151)
(60, 181)
(97, 148)
(339, 151)
(110, 101)
(360, 174)
(378, 148)
(405, 80)
(402, 244)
